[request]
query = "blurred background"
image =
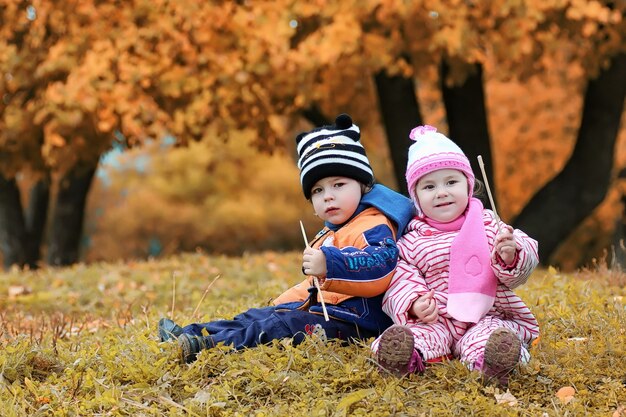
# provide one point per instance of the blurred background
(141, 129)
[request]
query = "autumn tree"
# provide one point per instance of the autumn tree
(66, 97)
(85, 76)
(516, 40)
(79, 78)
(199, 197)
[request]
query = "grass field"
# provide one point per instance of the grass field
(81, 341)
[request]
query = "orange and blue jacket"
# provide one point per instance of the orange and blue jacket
(361, 257)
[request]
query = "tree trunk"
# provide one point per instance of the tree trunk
(467, 119)
(562, 204)
(618, 259)
(400, 114)
(36, 217)
(315, 116)
(67, 221)
(12, 230)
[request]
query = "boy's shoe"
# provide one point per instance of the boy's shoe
(396, 352)
(191, 345)
(169, 330)
(502, 353)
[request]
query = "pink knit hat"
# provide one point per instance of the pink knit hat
(430, 152)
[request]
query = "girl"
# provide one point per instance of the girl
(451, 293)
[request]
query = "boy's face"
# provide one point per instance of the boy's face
(335, 199)
(442, 194)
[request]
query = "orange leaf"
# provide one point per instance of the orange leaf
(506, 398)
(55, 139)
(566, 394)
(535, 342)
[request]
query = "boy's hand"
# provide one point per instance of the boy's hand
(314, 263)
(506, 246)
(425, 308)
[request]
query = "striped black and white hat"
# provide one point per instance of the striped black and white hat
(330, 151)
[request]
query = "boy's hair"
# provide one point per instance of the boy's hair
(332, 151)
(365, 188)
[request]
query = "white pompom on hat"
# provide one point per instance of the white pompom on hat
(430, 152)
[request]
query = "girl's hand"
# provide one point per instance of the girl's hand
(506, 246)
(425, 308)
(314, 263)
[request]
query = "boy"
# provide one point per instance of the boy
(353, 256)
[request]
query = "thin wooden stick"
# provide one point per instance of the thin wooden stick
(204, 295)
(493, 206)
(315, 281)
(173, 294)
(306, 240)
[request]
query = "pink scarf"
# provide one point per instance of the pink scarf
(472, 283)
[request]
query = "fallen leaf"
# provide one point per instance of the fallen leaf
(566, 394)
(352, 398)
(544, 380)
(506, 398)
(620, 412)
(535, 342)
(577, 339)
(16, 290)
(203, 396)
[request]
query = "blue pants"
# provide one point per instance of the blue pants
(262, 325)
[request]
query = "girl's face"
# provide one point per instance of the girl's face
(335, 199)
(443, 194)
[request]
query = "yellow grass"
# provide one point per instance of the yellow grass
(82, 341)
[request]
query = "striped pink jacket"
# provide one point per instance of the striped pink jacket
(425, 263)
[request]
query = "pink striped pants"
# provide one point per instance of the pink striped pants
(465, 341)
